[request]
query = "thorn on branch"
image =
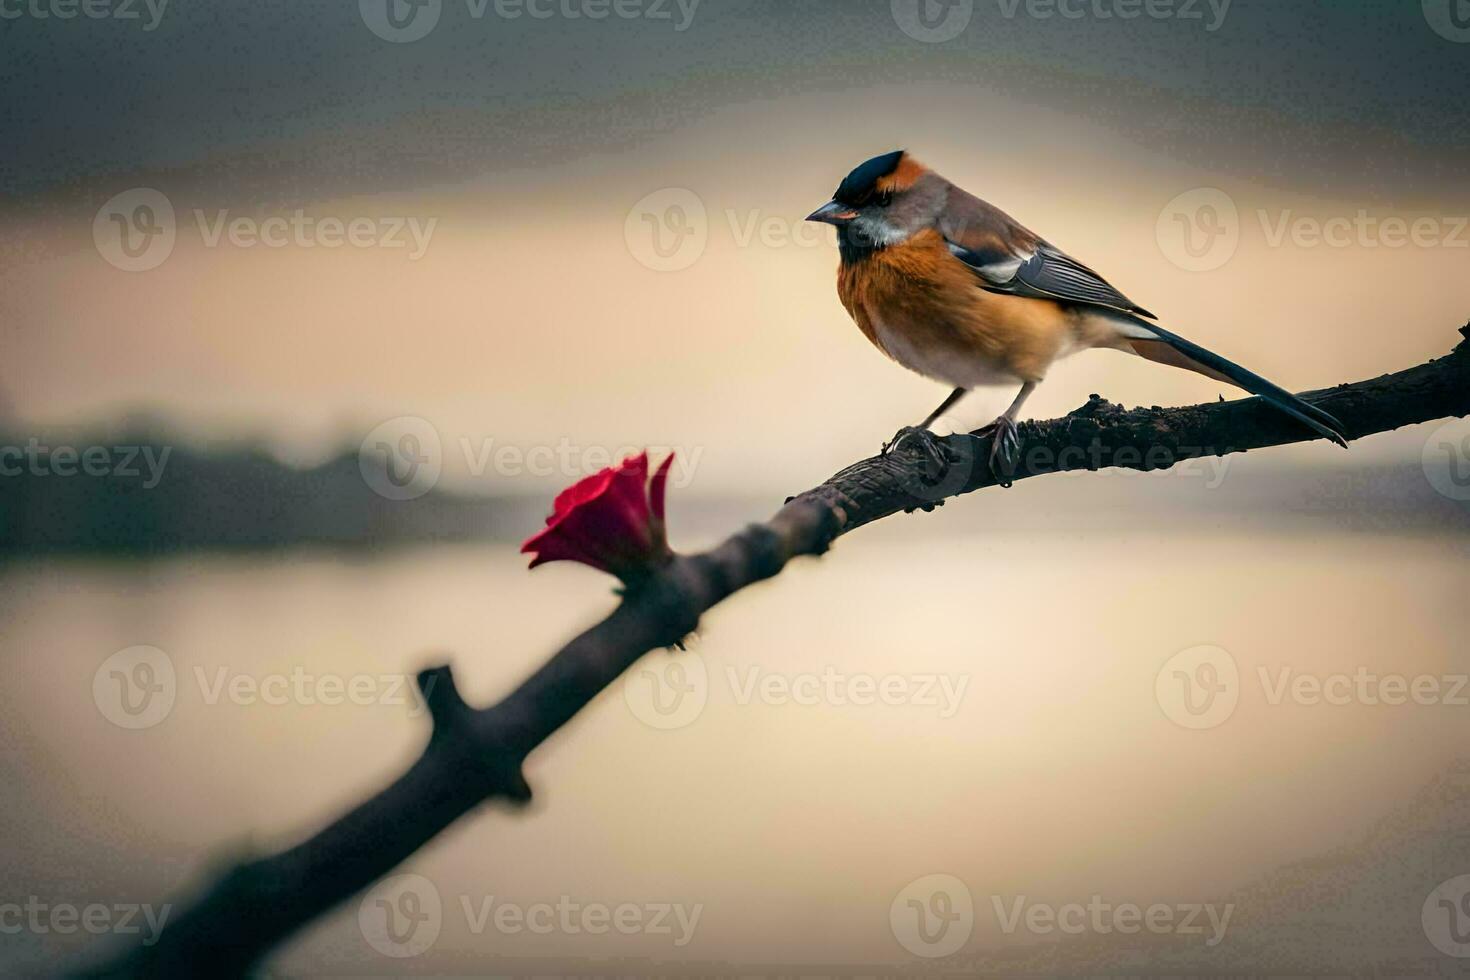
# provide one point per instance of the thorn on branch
(447, 709)
(514, 786)
(460, 729)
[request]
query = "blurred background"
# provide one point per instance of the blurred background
(307, 311)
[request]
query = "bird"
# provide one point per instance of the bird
(955, 289)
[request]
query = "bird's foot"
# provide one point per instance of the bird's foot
(1005, 449)
(932, 446)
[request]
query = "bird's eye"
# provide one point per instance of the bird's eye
(884, 198)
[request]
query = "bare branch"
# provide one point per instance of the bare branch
(473, 756)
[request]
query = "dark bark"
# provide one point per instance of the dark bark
(475, 755)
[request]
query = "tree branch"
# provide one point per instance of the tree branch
(475, 755)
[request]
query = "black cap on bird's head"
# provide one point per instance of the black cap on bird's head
(858, 185)
(858, 189)
(883, 202)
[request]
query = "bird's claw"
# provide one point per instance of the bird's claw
(1005, 449)
(932, 446)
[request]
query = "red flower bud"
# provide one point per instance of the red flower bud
(612, 520)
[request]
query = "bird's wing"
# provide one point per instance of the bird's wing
(1008, 258)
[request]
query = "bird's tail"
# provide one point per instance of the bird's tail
(1153, 342)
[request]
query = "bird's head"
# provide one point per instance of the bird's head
(882, 202)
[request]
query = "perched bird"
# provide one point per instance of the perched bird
(955, 289)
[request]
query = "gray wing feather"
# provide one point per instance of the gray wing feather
(1046, 273)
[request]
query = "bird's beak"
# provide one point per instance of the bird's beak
(832, 213)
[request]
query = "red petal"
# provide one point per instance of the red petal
(604, 521)
(625, 505)
(582, 491)
(656, 489)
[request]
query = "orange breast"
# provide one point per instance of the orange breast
(924, 308)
